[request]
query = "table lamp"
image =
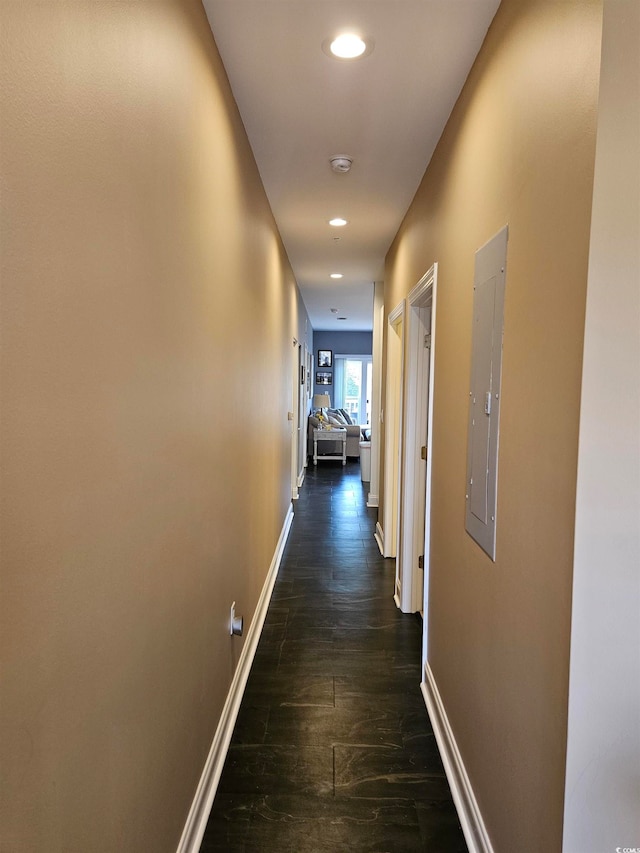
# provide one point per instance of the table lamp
(321, 401)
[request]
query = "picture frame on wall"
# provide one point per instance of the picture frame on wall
(323, 377)
(325, 358)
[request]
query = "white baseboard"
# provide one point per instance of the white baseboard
(372, 500)
(301, 476)
(202, 802)
(473, 827)
(379, 537)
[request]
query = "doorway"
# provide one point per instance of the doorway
(393, 436)
(413, 551)
(297, 416)
(304, 375)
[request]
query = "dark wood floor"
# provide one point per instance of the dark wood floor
(333, 749)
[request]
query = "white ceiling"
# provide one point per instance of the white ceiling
(386, 110)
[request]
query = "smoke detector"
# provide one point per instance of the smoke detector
(341, 163)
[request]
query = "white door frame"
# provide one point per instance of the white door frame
(414, 531)
(373, 497)
(303, 409)
(392, 414)
(294, 416)
(308, 393)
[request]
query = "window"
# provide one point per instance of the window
(352, 386)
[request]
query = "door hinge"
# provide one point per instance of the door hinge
(423, 451)
(427, 341)
(421, 562)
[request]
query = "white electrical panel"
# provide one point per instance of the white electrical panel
(484, 394)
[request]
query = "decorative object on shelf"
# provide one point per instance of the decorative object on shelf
(325, 358)
(323, 377)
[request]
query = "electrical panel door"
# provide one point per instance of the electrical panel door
(484, 394)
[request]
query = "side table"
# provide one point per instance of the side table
(337, 434)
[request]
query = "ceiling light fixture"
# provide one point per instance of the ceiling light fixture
(338, 222)
(336, 275)
(348, 46)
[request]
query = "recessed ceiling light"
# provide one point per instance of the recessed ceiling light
(338, 222)
(348, 46)
(341, 318)
(336, 275)
(334, 310)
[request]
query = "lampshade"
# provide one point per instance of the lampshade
(321, 401)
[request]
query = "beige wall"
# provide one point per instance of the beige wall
(602, 802)
(148, 311)
(518, 150)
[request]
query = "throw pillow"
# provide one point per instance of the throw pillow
(347, 417)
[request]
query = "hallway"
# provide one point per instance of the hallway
(333, 749)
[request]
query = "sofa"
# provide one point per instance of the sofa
(335, 417)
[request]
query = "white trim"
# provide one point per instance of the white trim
(475, 832)
(397, 314)
(379, 537)
(397, 593)
(202, 802)
(429, 471)
(413, 528)
(301, 476)
(393, 432)
(297, 417)
(420, 293)
(376, 392)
